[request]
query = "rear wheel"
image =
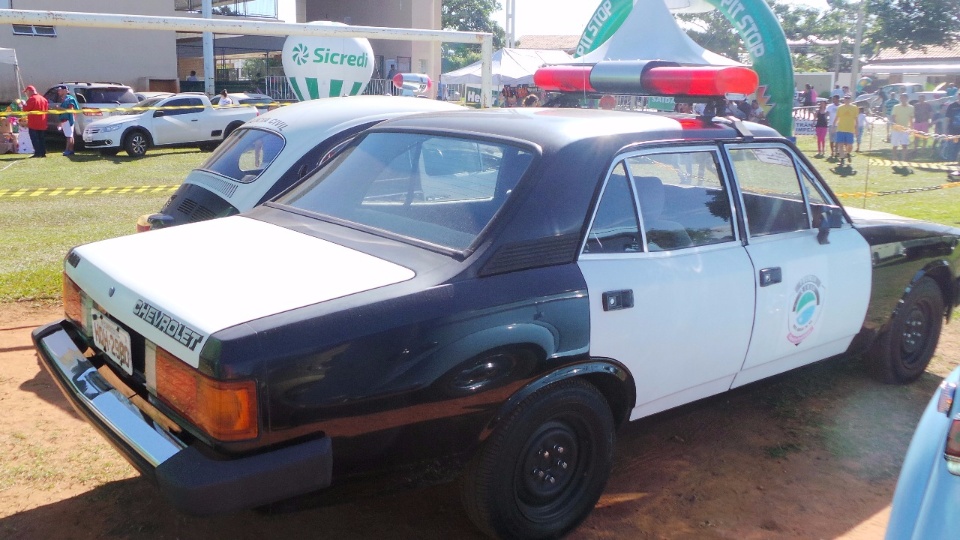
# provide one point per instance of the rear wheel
(544, 468)
(902, 352)
(136, 143)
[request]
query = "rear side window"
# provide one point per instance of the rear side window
(110, 94)
(433, 189)
(680, 197)
(245, 154)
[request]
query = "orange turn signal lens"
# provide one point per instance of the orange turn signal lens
(226, 410)
(72, 301)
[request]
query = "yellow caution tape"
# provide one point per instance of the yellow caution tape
(15, 193)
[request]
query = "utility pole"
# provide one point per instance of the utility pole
(855, 67)
(511, 10)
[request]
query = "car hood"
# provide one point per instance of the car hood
(212, 275)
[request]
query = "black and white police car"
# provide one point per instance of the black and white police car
(268, 154)
(489, 292)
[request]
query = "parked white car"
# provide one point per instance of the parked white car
(178, 119)
(271, 153)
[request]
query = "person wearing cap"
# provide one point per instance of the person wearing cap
(36, 108)
(67, 119)
(225, 98)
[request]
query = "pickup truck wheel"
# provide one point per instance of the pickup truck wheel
(902, 352)
(544, 468)
(136, 144)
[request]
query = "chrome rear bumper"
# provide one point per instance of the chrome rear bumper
(191, 480)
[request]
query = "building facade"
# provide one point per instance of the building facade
(148, 60)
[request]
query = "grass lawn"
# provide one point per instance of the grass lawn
(38, 229)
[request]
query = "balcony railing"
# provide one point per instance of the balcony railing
(236, 8)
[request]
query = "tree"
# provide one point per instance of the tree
(914, 24)
(469, 16)
(711, 31)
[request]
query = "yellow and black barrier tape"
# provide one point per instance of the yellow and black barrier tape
(93, 111)
(14, 193)
(942, 166)
(924, 134)
(905, 191)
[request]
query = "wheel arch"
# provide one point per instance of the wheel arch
(231, 127)
(133, 129)
(940, 273)
(611, 378)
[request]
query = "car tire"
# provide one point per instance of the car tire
(902, 352)
(109, 152)
(136, 143)
(545, 466)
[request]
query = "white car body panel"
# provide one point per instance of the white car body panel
(233, 270)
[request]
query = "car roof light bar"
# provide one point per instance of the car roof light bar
(651, 78)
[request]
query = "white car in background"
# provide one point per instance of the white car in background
(270, 153)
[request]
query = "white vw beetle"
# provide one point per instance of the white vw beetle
(273, 151)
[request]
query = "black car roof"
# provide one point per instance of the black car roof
(558, 127)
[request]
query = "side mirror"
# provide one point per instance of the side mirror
(158, 114)
(830, 218)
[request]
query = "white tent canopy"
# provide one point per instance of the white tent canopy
(652, 33)
(510, 67)
(10, 82)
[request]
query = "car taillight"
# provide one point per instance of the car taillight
(143, 223)
(952, 452)
(76, 303)
(226, 410)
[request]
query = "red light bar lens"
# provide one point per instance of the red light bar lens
(700, 81)
(564, 78)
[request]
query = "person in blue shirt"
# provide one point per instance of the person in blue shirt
(67, 119)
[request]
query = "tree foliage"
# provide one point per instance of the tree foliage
(914, 24)
(469, 16)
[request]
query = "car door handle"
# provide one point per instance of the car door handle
(616, 300)
(195, 120)
(770, 276)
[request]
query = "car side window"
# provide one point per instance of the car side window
(770, 186)
(683, 199)
(615, 226)
(176, 107)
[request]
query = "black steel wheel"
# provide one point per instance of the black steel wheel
(902, 352)
(545, 466)
(136, 143)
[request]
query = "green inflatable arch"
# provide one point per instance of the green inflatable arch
(760, 31)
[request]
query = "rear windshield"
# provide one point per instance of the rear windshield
(111, 94)
(245, 154)
(439, 190)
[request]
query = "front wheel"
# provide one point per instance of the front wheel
(544, 468)
(902, 352)
(136, 144)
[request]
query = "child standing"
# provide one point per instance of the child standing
(821, 128)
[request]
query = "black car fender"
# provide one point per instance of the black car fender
(609, 376)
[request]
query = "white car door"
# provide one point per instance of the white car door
(671, 293)
(812, 287)
(179, 121)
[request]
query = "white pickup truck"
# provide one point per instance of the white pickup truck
(179, 119)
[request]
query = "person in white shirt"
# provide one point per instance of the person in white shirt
(861, 124)
(224, 98)
(831, 114)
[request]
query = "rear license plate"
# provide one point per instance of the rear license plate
(112, 340)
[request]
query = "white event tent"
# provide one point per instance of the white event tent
(510, 67)
(10, 81)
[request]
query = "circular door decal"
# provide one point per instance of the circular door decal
(806, 309)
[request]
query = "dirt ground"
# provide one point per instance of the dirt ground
(813, 453)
